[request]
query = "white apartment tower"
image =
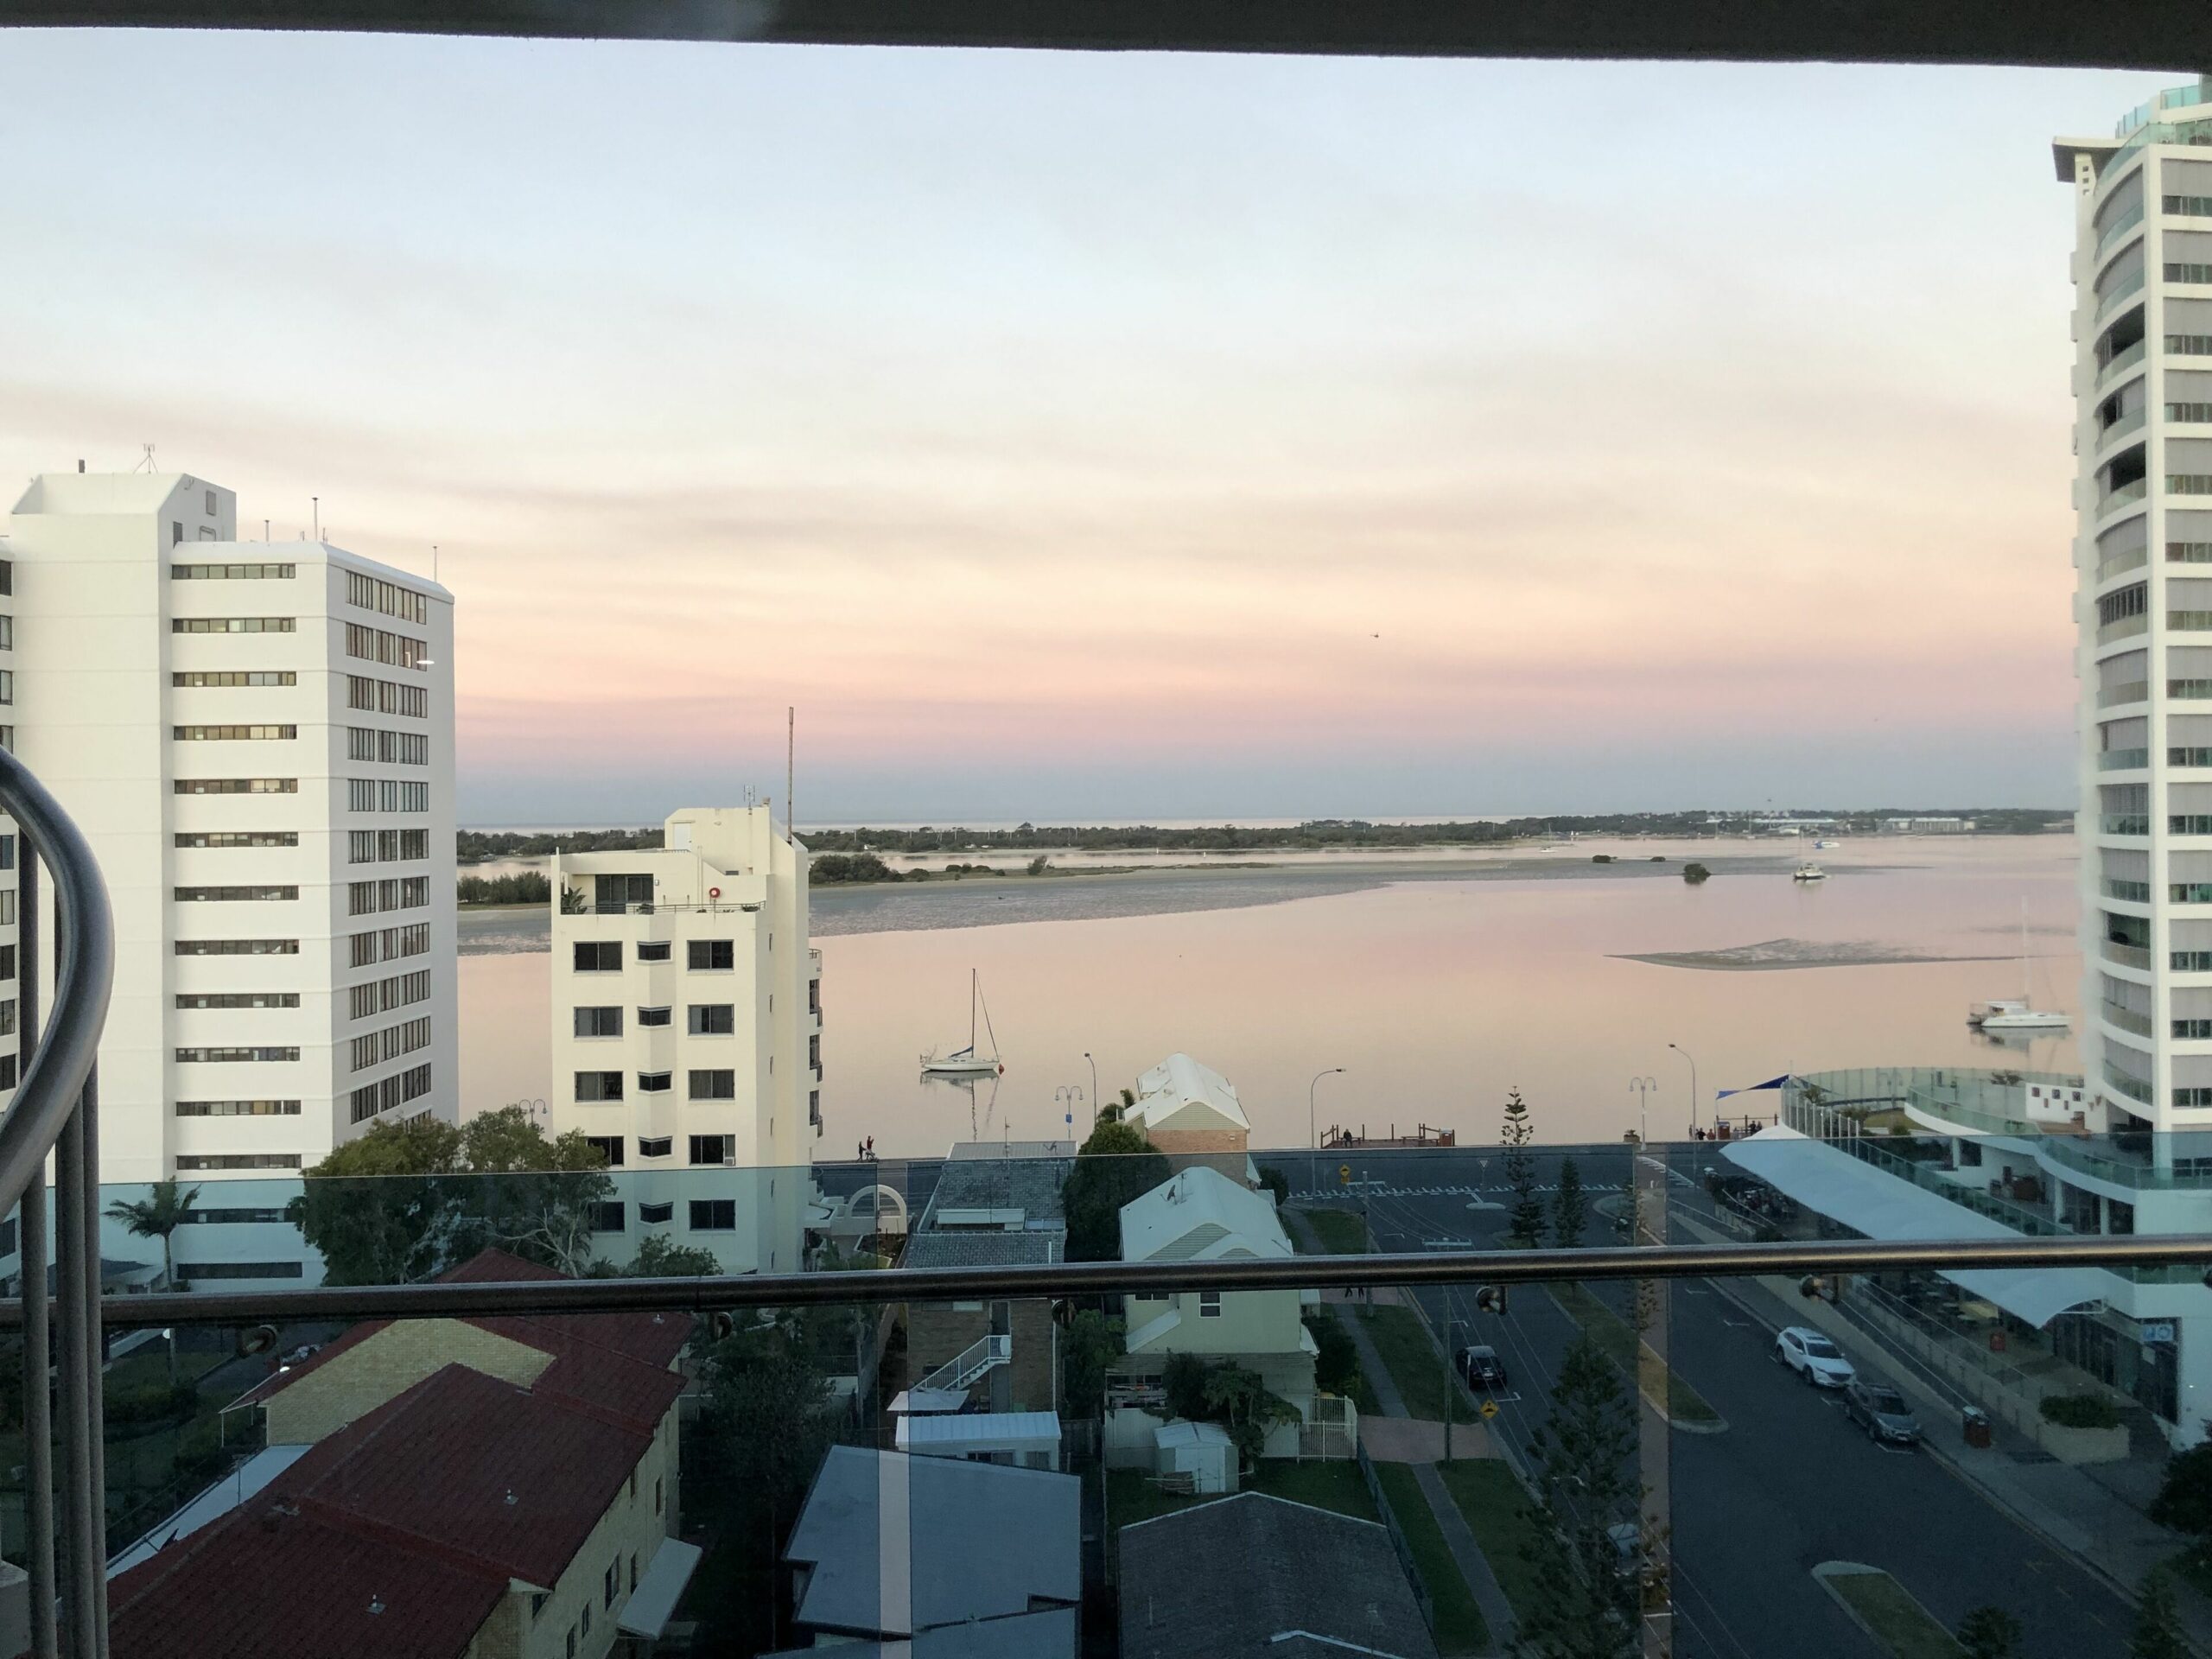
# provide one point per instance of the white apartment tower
(686, 1034)
(2143, 490)
(256, 739)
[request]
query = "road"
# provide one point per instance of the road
(1788, 1486)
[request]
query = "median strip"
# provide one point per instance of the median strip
(1685, 1407)
(1886, 1610)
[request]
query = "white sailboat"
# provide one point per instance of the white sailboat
(969, 1061)
(2002, 1015)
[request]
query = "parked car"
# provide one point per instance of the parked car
(1481, 1367)
(1813, 1356)
(1881, 1410)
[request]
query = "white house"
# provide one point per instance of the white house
(1184, 1106)
(1203, 1216)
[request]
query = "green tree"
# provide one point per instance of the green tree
(1570, 1209)
(1240, 1400)
(158, 1215)
(1089, 1347)
(1276, 1182)
(1990, 1633)
(1695, 874)
(2159, 1633)
(1581, 1479)
(1336, 1362)
(407, 1201)
(1039, 865)
(2184, 1499)
(1524, 1222)
(1116, 1165)
(659, 1257)
(1184, 1383)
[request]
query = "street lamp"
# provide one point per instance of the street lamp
(1642, 1087)
(1093, 1089)
(1313, 1137)
(1065, 1098)
(1692, 1059)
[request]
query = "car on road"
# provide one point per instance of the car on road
(1481, 1367)
(1881, 1411)
(1813, 1356)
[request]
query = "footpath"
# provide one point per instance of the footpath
(2099, 1524)
(1397, 1436)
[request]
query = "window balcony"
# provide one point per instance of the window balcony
(2123, 495)
(2120, 363)
(2133, 559)
(2128, 893)
(2114, 696)
(2126, 627)
(2126, 956)
(2123, 761)
(2126, 290)
(2119, 231)
(2125, 1019)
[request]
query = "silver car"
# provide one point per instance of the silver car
(1881, 1411)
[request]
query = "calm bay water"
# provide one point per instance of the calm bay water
(1437, 993)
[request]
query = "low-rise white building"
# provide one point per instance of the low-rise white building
(687, 1033)
(1184, 1106)
(1203, 1216)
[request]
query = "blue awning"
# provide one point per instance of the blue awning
(1881, 1206)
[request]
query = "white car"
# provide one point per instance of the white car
(1814, 1358)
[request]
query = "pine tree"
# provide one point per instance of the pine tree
(1570, 1209)
(1525, 1216)
(1583, 1485)
(1990, 1633)
(2159, 1633)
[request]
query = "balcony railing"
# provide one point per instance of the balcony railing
(2122, 495)
(2133, 559)
(2127, 956)
(2132, 286)
(2126, 627)
(2119, 228)
(2125, 1019)
(2111, 697)
(2119, 362)
(2123, 759)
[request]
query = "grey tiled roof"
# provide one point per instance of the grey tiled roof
(1030, 1184)
(1292, 1569)
(960, 1247)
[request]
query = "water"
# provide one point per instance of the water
(1437, 989)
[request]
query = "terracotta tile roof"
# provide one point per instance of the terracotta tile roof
(237, 1588)
(473, 1471)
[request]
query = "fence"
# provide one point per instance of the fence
(1398, 1541)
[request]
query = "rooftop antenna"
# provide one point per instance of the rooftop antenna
(264, 529)
(318, 515)
(433, 561)
(146, 461)
(791, 766)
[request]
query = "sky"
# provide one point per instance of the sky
(1109, 437)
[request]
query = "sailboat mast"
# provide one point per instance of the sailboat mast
(976, 989)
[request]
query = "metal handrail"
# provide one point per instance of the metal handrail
(1111, 1278)
(47, 1092)
(54, 1111)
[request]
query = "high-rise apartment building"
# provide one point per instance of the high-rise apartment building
(686, 1034)
(256, 739)
(2143, 550)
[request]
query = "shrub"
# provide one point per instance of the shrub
(1601, 858)
(1336, 1367)
(1658, 858)
(2079, 1411)
(1040, 864)
(1694, 874)
(152, 1403)
(1276, 1182)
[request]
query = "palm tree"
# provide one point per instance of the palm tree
(157, 1215)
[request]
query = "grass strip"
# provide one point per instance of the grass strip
(1494, 1505)
(1899, 1622)
(1460, 1626)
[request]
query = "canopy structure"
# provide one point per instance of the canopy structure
(653, 1602)
(974, 1433)
(1881, 1206)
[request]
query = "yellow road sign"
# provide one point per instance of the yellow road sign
(1344, 1174)
(1490, 1409)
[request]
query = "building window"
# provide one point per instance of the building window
(227, 948)
(233, 733)
(613, 1580)
(237, 1109)
(599, 956)
(236, 896)
(607, 1216)
(656, 1146)
(1209, 1304)
(712, 1018)
(233, 624)
(653, 950)
(711, 956)
(196, 1161)
(713, 1216)
(652, 1214)
(713, 1085)
(232, 572)
(235, 1000)
(713, 1149)
(235, 1056)
(609, 1146)
(599, 1022)
(655, 1016)
(657, 1494)
(235, 676)
(595, 1086)
(239, 1269)
(237, 786)
(655, 1083)
(226, 838)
